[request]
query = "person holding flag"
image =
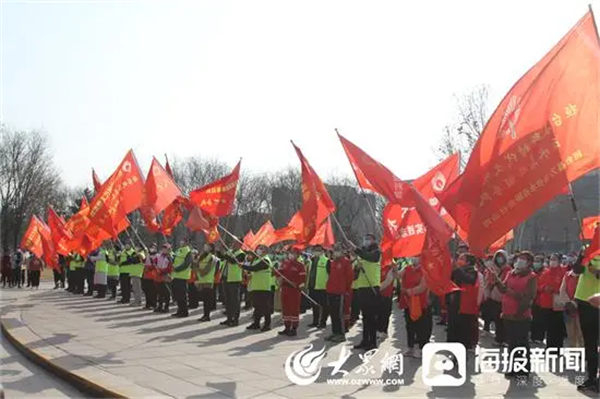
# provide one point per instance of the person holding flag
(231, 278)
(259, 266)
(205, 265)
(367, 272)
(317, 283)
(35, 267)
(113, 273)
(181, 274)
(293, 276)
(339, 283)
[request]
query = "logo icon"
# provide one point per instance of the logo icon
(126, 167)
(438, 182)
(510, 117)
(303, 366)
(444, 364)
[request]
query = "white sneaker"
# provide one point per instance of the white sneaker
(417, 353)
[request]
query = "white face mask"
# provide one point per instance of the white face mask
(521, 264)
(553, 263)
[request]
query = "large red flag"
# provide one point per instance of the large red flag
(403, 229)
(160, 189)
(217, 198)
(198, 221)
(96, 181)
(49, 254)
(324, 235)
(248, 240)
(544, 134)
(594, 248)
(58, 232)
(317, 205)
(122, 193)
(264, 236)
(168, 166)
(501, 242)
(171, 217)
(32, 240)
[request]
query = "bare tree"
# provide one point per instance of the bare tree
(472, 114)
(28, 181)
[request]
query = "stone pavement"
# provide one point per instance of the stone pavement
(138, 353)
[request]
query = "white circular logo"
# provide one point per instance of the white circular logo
(155, 170)
(438, 182)
(126, 167)
(303, 366)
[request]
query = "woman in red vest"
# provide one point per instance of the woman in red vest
(548, 289)
(567, 291)
(339, 283)
(519, 289)
(463, 308)
(414, 299)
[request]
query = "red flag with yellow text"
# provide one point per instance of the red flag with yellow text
(32, 240)
(544, 134)
(217, 198)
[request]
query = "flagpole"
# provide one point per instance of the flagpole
(576, 211)
(134, 232)
(364, 195)
(272, 268)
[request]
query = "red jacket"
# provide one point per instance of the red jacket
(548, 285)
(341, 276)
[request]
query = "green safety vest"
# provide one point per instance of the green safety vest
(113, 266)
(234, 271)
(208, 278)
(76, 262)
(137, 269)
(371, 274)
(180, 256)
(322, 276)
(260, 280)
(102, 264)
(588, 284)
(125, 268)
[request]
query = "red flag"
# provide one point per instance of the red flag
(544, 134)
(217, 198)
(403, 229)
(121, 193)
(588, 227)
(58, 232)
(96, 181)
(49, 256)
(197, 221)
(248, 240)
(168, 167)
(594, 248)
(160, 189)
(171, 218)
(32, 240)
(264, 236)
(324, 235)
(502, 241)
(316, 202)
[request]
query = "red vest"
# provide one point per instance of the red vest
(411, 277)
(468, 298)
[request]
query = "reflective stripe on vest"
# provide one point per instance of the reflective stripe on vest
(322, 276)
(260, 280)
(370, 277)
(180, 256)
(208, 278)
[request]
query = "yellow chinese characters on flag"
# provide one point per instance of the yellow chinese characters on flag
(544, 134)
(217, 198)
(32, 240)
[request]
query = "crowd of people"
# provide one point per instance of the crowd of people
(529, 299)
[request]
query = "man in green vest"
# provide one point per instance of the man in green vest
(367, 273)
(136, 270)
(182, 272)
(232, 280)
(101, 270)
(588, 285)
(76, 268)
(259, 287)
(317, 284)
(112, 274)
(126, 260)
(205, 265)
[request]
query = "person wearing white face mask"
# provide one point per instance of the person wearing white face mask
(500, 268)
(518, 288)
(551, 310)
(539, 315)
(259, 287)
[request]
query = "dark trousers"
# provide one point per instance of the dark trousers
(589, 319)
(468, 330)
(34, 276)
(232, 300)
(517, 335)
(493, 310)
(89, 278)
(385, 311)
(59, 277)
(6, 276)
(163, 296)
(180, 296)
(555, 329)
(70, 284)
(262, 308)
(368, 298)
(354, 307)
(321, 313)
(101, 289)
(112, 283)
(209, 302)
(149, 292)
(193, 296)
(335, 303)
(418, 331)
(77, 281)
(125, 282)
(539, 322)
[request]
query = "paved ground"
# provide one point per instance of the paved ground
(141, 353)
(20, 378)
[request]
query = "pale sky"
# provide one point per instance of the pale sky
(240, 79)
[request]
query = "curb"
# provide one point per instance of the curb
(84, 385)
